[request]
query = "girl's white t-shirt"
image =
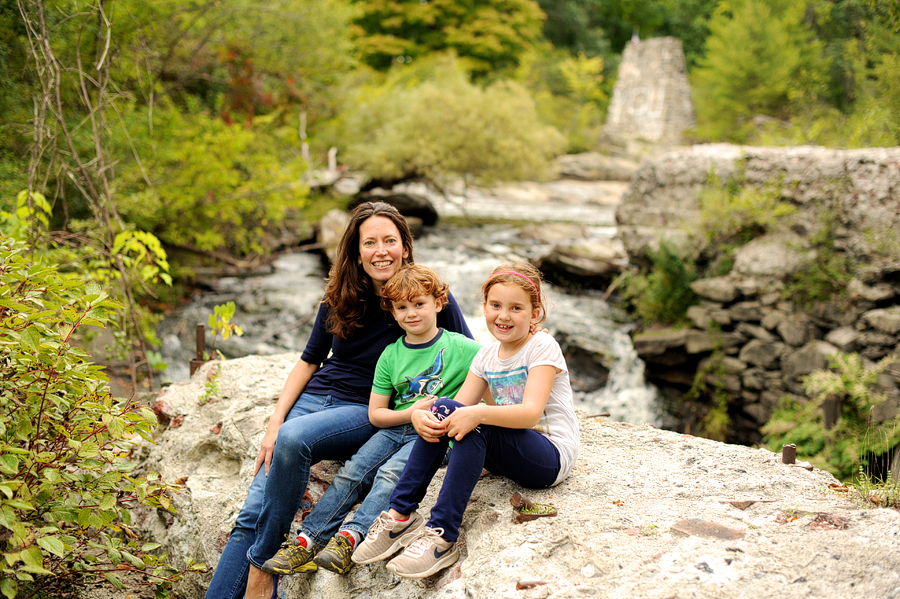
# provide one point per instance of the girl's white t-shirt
(506, 378)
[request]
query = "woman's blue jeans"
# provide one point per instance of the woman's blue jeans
(372, 472)
(318, 427)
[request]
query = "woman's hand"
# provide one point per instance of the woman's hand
(267, 447)
(462, 421)
(427, 425)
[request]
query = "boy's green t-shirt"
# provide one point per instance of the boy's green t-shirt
(407, 372)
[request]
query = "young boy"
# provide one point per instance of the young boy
(426, 362)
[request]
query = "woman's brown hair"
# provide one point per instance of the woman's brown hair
(348, 286)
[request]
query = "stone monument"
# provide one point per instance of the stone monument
(652, 98)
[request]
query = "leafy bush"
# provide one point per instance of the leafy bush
(445, 127)
(66, 491)
(664, 293)
(855, 439)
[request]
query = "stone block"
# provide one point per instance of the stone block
(758, 412)
(746, 311)
(772, 319)
(702, 341)
(699, 317)
(813, 356)
(857, 290)
(719, 289)
(753, 378)
(886, 320)
(755, 332)
(795, 329)
(657, 342)
(843, 338)
(764, 354)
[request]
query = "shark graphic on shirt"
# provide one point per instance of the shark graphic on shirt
(428, 382)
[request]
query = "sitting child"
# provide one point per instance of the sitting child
(410, 373)
(527, 431)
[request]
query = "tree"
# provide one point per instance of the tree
(491, 35)
(761, 59)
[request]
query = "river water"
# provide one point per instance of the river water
(276, 310)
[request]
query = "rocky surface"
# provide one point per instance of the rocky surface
(646, 513)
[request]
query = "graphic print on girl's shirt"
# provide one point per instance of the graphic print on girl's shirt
(508, 387)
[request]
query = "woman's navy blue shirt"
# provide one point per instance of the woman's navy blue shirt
(348, 371)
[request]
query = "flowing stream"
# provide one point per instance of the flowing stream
(276, 312)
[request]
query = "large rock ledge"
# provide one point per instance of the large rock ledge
(647, 513)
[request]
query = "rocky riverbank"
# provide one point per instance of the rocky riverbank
(646, 513)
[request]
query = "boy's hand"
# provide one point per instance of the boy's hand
(424, 403)
(429, 428)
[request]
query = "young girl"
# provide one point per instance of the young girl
(528, 432)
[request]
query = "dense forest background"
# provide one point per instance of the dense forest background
(138, 136)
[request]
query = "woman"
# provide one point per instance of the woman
(322, 411)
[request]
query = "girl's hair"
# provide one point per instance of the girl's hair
(412, 281)
(348, 286)
(523, 275)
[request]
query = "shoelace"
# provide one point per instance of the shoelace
(423, 541)
(377, 527)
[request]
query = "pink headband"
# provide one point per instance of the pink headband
(518, 274)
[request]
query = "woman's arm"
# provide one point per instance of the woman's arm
(296, 382)
(524, 415)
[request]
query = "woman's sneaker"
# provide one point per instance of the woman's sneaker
(386, 536)
(336, 555)
(427, 554)
(292, 558)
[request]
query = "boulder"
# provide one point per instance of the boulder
(589, 264)
(331, 229)
(409, 204)
(646, 512)
(813, 356)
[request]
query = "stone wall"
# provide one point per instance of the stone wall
(766, 340)
(652, 97)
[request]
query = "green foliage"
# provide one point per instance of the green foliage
(856, 438)
(761, 59)
(732, 214)
(220, 324)
(872, 492)
(66, 492)
(211, 387)
(826, 276)
(228, 185)
(491, 34)
(570, 93)
(443, 127)
(664, 293)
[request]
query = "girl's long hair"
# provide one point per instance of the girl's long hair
(348, 287)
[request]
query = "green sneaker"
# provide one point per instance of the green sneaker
(336, 555)
(427, 554)
(386, 536)
(292, 558)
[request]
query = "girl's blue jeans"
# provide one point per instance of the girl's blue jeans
(523, 455)
(318, 427)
